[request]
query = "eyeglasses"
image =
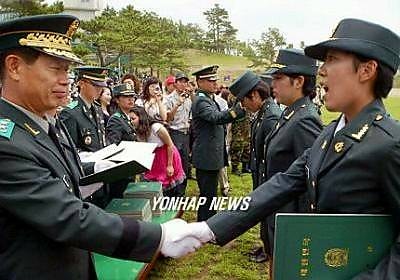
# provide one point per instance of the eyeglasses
(155, 88)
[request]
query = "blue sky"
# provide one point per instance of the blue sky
(298, 20)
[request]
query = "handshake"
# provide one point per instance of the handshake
(181, 238)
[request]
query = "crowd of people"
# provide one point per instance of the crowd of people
(297, 165)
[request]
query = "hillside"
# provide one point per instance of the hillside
(229, 65)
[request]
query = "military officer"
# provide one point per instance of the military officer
(353, 165)
(293, 84)
(119, 127)
(83, 117)
(209, 153)
(254, 94)
(46, 230)
(84, 120)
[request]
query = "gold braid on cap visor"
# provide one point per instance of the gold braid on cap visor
(47, 40)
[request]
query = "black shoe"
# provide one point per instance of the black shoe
(259, 258)
(256, 251)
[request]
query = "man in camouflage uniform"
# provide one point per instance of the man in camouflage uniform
(240, 144)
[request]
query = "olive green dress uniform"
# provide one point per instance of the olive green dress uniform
(263, 123)
(46, 231)
(209, 153)
(119, 127)
(352, 171)
(85, 125)
(296, 131)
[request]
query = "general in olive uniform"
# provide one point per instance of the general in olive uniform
(293, 82)
(46, 231)
(119, 127)
(353, 166)
(83, 117)
(209, 153)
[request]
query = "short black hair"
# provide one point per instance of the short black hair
(29, 55)
(263, 90)
(308, 88)
(384, 78)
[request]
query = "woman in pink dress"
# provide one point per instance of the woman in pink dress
(167, 166)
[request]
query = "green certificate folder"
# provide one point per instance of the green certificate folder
(108, 268)
(138, 208)
(329, 247)
(149, 190)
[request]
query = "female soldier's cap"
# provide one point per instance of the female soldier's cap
(244, 84)
(124, 90)
(364, 38)
(96, 75)
(49, 34)
(293, 61)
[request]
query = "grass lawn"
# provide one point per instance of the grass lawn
(230, 261)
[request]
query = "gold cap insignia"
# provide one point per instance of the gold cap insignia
(72, 28)
(336, 257)
(339, 147)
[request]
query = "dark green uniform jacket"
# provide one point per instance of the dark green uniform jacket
(119, 128)
(209, 147)
(261, 126)
(46, 231)
(296, 131)
(355, 171)
(85, 127)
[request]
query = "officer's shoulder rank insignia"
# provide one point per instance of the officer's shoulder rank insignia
(361, 133)
(201, 94)
(118, 114)
(289, 116)
(378, 117)
(6, 128)
(72, 104)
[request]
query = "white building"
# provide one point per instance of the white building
(84, 9)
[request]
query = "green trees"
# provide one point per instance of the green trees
(264, 50)
(31, 7)
(221, 35)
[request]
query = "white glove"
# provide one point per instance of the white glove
(102, 165)
(177, 241)
(201, 231)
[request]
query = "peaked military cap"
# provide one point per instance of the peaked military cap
(293, 61)
(49, 34)
(124, 89)
(364, 38)
(244, 84)
(181, 75)
(96, 75)
(208, 73)
(267, 78)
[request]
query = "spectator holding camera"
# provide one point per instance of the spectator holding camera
(152, 99)
(178, 105)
